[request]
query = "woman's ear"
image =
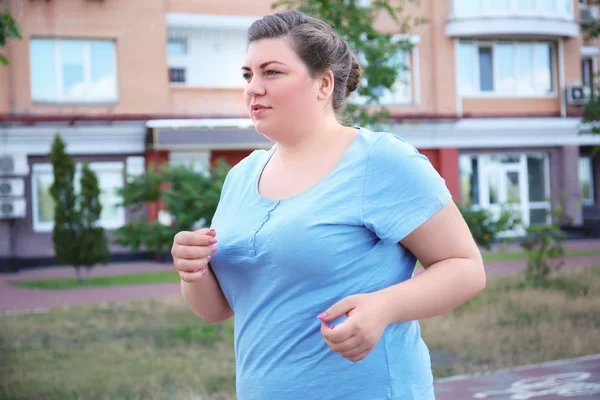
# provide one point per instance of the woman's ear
(326, 83)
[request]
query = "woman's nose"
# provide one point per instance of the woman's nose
(255, 87)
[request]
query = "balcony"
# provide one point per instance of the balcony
(512, 18)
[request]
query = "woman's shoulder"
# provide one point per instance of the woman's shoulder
(249, 163)
(386, 146)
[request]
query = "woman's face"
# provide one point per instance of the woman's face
(280, 94)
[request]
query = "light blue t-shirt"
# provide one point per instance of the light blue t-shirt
(281, 263)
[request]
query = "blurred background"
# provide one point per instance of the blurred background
(120, 119)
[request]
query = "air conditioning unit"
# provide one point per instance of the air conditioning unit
(14, 187)
(578, 95)
(13, 164)
(587, 15)
(12, 208)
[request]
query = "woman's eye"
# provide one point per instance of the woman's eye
(246, 76)
(272, 72)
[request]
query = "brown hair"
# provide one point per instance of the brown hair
(318, 46)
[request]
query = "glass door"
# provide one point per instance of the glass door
(504, 185)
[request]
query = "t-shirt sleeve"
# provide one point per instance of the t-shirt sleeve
(401, 189)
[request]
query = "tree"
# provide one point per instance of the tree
(190, 200)
(591, 113)
(8, 29)
(377, 51)
(78, 241)
(93, 244)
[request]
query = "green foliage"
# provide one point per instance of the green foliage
(9, 29)
(93, 244)
(190, 198)
(376, 50)
(63, 194)
(545, 245)
(78, 241)
(484, 227)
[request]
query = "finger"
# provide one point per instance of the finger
(184, 265)
(360, 356)
(194, 238)
(346, 345)
(340, 333)
(193, 276)
(192, 252)
(357, 350)
(338, 309)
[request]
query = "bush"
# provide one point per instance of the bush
(546, 250)
(190, 200)
(484, 227)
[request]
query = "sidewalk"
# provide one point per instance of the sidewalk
(576, 378)
(15, 298)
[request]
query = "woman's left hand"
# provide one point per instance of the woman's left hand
(359, 333)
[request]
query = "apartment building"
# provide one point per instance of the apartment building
(493, 96)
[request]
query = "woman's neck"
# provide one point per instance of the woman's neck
(312, 141)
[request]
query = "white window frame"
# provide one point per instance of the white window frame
(592, 199)
(412, 77)
(98, 167)
(594, 72)
(60, 97)
(486, 10)
(495, 94)
(527, 205)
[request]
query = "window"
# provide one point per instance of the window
(506, 69)
(523, 180)
(588, 74)
(507, 7)
(177, 46)
(177, 75)
(210, 56)
(400, 92)
(586, 180)
(196, 161)
(538, 188)
(73, 71)
(469, 179)
(110, 178)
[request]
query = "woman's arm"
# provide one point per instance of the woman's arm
(200, 289)
(206, 299)
(454, 271)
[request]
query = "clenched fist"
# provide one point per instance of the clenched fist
(192, 252)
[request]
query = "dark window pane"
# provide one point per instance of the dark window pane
(177, 75)
(486, 69)
(536, 177)
(469, 185)
(537, 216)
(513, 188)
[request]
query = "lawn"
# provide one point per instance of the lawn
(171, 276)
(95, 281)
(158, 349)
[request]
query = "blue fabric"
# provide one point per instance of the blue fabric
(282, 263)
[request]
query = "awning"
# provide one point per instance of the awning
(204, 134)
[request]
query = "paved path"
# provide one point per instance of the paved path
(576, 379)
(14, 298)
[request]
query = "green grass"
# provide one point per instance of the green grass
(522, 255)
(158, 349)
(513, 323)
(113, 280)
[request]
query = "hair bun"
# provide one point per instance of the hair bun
(354, 76)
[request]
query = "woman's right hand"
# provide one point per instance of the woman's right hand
(192, 252)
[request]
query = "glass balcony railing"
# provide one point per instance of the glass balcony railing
(555, 9)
